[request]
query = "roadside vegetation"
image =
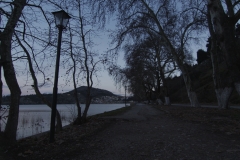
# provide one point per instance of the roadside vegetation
(67, 138)
(219, 120)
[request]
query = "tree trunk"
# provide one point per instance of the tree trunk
(158, 90)
(191, 93)
(223, 96)
(79, 112)
(188, 82)
(12, 123)
(88, 102)
(9, 72)
(78, 120)
(237, 87)
(1, 84)
(59, 122)
(165, 87)
(167, 101)
(223, 91)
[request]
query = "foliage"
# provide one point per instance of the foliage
(202, 56)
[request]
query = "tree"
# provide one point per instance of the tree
(151, 56)
(12, 18)
(29, 41)
(35, 81)
(165, 65)
(78, 120)
(141, 69)
(19, 32)
(174, 23)
(24, 41)
(222, 18)
(81, 61)
(202, 56)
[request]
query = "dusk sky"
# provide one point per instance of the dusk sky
(104, 80)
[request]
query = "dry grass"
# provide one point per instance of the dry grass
(38, 146)
(220, 120)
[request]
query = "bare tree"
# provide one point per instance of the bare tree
(21, 30)
(81, 61)
(165, 64)
(223, 16)
(74, 67)
(35, 46)
(148, 56)
(34, 78)
(170, 20)
(12, 19)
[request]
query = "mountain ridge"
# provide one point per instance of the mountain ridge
(63, 98)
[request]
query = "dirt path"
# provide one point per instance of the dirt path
(147, 133)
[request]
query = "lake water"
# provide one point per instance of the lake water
(35, 119)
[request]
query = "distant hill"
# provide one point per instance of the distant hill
(63, 98)
(95, 92)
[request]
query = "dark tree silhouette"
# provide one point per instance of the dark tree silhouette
(237, 31)
(209, 45)
(202, 56)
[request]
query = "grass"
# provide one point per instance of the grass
(105, 114)
(70, 134)
(219, 120)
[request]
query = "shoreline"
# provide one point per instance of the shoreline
(36, 120)
(105, 114)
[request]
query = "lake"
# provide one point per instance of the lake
(35, 119)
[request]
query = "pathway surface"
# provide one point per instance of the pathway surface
(147, 133)
(206, 105)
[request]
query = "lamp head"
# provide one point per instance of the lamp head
(61, 18)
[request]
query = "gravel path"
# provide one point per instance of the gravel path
(147, 133)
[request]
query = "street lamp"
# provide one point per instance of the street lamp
(61, 20)
(1, 84)
(125, 96)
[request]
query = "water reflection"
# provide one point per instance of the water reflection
(35, 119)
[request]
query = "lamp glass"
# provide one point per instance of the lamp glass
(61, 18)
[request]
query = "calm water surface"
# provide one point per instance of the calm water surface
(35, 119)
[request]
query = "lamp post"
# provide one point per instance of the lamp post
(125, 96)
(0, 70)
(61, 20)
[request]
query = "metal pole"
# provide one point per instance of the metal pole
(55, 89)
(125, 96)
(1, 84)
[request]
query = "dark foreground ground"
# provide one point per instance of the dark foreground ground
(143, 132)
